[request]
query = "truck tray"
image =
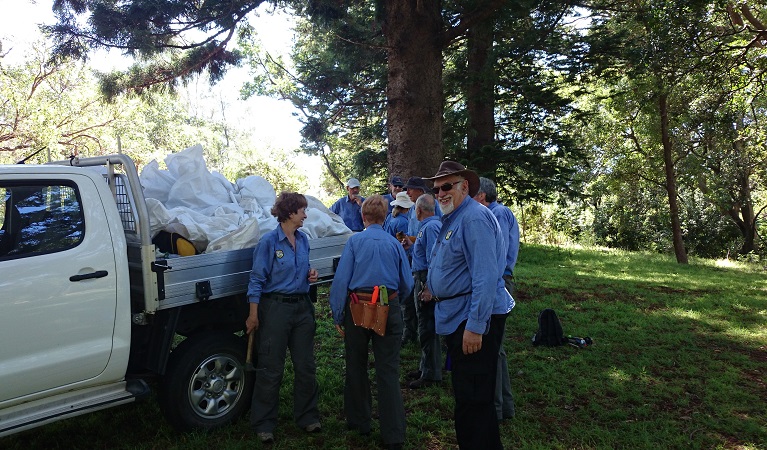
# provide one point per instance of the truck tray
(209, 276)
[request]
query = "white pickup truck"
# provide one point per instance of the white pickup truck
(89, 314)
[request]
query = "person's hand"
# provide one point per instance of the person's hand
(426, 295)
(251, 323)
(340, 330)
(472, 342)
(406, 244)
(313, 275)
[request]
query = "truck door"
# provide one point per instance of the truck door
(57, 284)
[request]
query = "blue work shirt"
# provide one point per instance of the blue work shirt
(389, 198)
(504, 302)
(510, 230)
(277, 267)
(394, 224)
(413, 224)
(424, 242)
(371, 258)
(468, 258)
(350, 212)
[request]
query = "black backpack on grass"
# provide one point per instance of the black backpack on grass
(549, 331)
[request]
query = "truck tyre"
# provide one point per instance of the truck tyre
(206, 385)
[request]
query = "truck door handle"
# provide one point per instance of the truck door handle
(86, 276)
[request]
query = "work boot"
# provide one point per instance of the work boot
(266, 438)
(421, 382)
(414, 375)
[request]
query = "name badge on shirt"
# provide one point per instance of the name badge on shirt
(279, 254)
(449, 233)
(420, 233)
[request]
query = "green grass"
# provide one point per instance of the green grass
(679, 361)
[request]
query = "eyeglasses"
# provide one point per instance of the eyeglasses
(445, 187)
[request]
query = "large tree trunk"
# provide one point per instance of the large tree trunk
(480, 99)
(668, 160)
(414, 90)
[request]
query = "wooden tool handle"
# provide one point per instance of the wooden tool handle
(249, 353)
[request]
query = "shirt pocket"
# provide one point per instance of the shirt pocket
(281, 268)
(452, 253)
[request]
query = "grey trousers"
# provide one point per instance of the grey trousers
(504, 400)
(282, 326)
(410, 319)
(431, 349)
(357, 395)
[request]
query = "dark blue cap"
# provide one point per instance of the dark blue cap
(397, 181)
(416, 183)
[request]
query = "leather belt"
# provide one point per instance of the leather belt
(449, 297)
(286, 298)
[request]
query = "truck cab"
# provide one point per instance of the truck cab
(64, 284)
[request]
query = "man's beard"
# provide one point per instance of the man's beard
(447, 209)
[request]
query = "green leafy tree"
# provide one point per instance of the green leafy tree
(173, 41)
(510, 102)
(277, 168)
(55, 107)
(658, 52)
(338, 87)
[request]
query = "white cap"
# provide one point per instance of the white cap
(402, 200)
(353, 183)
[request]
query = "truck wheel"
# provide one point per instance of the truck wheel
(206, 385)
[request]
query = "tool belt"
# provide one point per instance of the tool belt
(285, 298)
(371, 310)
(364, 296)
(449, 297)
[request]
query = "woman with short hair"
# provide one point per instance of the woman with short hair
(283, 316)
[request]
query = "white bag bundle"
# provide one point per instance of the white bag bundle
(215, 214)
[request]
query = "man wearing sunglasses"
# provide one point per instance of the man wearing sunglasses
(465, 278)
(396, 185)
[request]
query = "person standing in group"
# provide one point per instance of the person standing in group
(415, 187)
(348, 207)
(466, 280)
(282, 314)
(430, 366)
(487, 196)
(395, 187)
(396, 221)
(372, 258)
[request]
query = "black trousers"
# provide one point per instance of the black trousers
(473, 377)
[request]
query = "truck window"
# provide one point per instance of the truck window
(39, 218)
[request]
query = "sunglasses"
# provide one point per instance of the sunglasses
(445, 187)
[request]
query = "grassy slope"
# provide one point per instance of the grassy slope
(678, 361)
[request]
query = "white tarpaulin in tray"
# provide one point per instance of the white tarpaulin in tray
(216, 214)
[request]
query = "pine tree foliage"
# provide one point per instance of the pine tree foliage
(173, 40)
